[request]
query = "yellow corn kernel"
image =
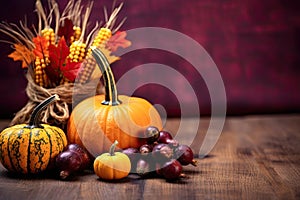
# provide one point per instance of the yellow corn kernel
(76, 35)
(49, 34)
(89, 65)
(103, 35)
(41, 78)
(77, 51)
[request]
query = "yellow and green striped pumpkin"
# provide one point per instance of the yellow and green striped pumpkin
(30, 149)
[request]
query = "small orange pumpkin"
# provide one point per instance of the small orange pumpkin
(98, 121)
(112, 165)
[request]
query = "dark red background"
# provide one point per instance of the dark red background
(255, 45)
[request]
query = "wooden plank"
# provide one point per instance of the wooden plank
(256, 157)
(277, 142)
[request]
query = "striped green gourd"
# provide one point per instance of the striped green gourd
(30, 148)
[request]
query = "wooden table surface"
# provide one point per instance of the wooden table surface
(256, 157)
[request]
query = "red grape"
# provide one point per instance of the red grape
(142, 167)
(67, 163)
(162, 152)
(171, 170)
(166, 138)
(145, 149)
(184, 155)
(133, 155)
(84, 155)
(152, 134)
(145, 166)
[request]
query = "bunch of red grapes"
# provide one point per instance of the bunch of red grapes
(162, 155)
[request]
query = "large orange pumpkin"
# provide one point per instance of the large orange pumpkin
(98, 121)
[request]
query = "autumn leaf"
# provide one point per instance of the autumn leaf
(66, 30)
(41, 45)
(70, 70)
(57, 56)
(118, 40)
(22, 53)
(59, 53)
(53, 74)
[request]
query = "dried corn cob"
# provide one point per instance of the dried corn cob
(99, 41)
(78, 47)
(88, 66)
(76, 35)
(49, 34)
(77, 51)
(39, 72)
(103, 35)
(41, 63)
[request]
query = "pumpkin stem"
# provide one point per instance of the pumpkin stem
(34, 118)
(112, 148)
(111, 94)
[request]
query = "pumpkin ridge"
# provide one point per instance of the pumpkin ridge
(123, 111)
(2, 158)
(84, 128)
(50, 142)
(108, 124)
(40, 152)
(59, 137)
(81, 114)
(28, 152)
(100, 119)
(21, 142)
(9, 152)
(17, 147)
(139, 108)
(4, 148)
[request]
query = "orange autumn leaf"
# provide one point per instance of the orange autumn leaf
(118, 40)
(22, 53)
(41, 46)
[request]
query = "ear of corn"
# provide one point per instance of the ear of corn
(77, 51)
(39, 72)
(49, 34)
(103, 35)
(89, 63)
(40, 63)
(76, 35)
(87, 69)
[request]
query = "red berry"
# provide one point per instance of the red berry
(144, 166)
(152, 134)
(162, 152)
(84, 155)
(184, 155)
(67, 163)
(171, 170)
(133, 155)
(166, 138)
(146, 149)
